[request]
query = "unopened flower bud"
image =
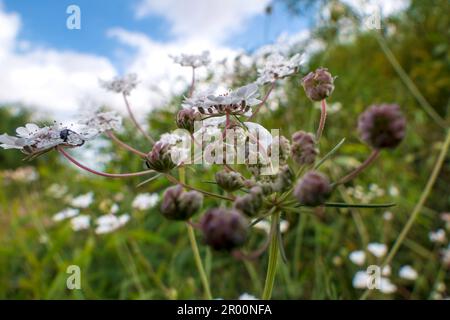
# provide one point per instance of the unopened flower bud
(318, 85)
(251, 203)
(382, 126)
(186, 119)
(313, 189)
(160, 158)
(303, 148)
(283, 180)
(229, 181)
(224, 229)
(284, 148)
(178, 204)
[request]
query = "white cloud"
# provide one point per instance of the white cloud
(386, 7)
(213, 20)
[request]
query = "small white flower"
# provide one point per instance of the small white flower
(57, 191)
(361, 280)
(109, 223)
(247, 296)
(193, 60)
(407, 272)
(145, 201)
(358, 257)
(114, 208)
(438, 236)
(81, 222)
(386, 286)
(278, 67)
(123, 84)
(379, 250)
(393, 191)
(100, 122)
(388, 216)
(386, 271)
(83, 201)
(264, 225)
(65, 214)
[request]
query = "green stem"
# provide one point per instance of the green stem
(273, 258)
(194, 246)
(418, 207)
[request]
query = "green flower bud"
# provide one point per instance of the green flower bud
(178, 204)
(251, 203)
(229, 181)
(160, 158)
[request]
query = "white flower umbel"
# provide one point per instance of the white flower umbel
(109, 223)
(247, 296)
(193, 60)
(34, 140)
(145, 201)
(83, 201)
(407, 272)
(358, 257)
(379, 250)
(360, 280)
(123, 84)
(386, 286)
(278, 66)
(100, 122)
(81, 222)
(438, 236)
(65, 214)
(236, 102)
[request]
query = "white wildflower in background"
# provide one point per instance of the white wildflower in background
(388, 216)
(114, 208)
(65, 214)
(123, 84)
(22, 174)
(438, 236)
(278, 66)
(407, 272)
(386, 271)
(83, 201)
(264, 225)
(100, 122)
(358, 257)
(247, 296)
(386, 286)
(358, 192)
(193, 60)
(361, 280)
(57, 190)
(332, 108)
(145, 201)
(379, 250)
(81, 222)
(393, 191)
(109, 223)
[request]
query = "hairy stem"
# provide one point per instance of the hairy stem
(373, 156)
(99, 173)
(133, 118)
(323, 118)
(273, 258)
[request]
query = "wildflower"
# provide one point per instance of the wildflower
(408, 273)
(237, 102)
(358, 257)
(278, 67)
(145, 201)
(229, 181)
(319, 84)
(186, 119)
(122, 85)
(178, 204)
(224, 229)
(65, 214)
(100, 122)
(393, 191)
(56, 190)
(251, 203)
(265, 226)
(313, 189)
(386, 286)
(382, 126)
(109, 223)
(83, 201)
(160, 158)
(33, 140)
(283, 180)
(192, 60)
(388, 216)
(438, 236)
(386, 271)
(360, 280)
(303, 148)
(379, 250)
(246, 296)
(81, 222)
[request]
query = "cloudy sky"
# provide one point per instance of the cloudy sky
(56, 70)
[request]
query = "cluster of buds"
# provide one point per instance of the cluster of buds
(178, 204)
(160, 158)
(303, 149)
(319, 84)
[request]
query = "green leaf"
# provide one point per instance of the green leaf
(329, 154)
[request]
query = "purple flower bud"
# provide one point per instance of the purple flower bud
(313, 189)
(251, 203)
(224, 229)
(283, 179)
(382, 126)
(318, 85)
(186, 119)
(229, 181)
(178, 204)
(303, 149)
(160, 158)
(284, 149)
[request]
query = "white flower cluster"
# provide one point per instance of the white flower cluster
(358, 192)
(145, 201)
(100, 122)
(122, 85)
(109, 223)
(193, 60)
(238, 101)
(277, 67)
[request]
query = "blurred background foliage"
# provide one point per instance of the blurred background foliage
(151, 258)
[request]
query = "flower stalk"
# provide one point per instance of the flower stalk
(273, 257)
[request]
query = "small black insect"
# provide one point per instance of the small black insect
(64, 134)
